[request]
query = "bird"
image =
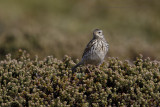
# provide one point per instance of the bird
(95, 50)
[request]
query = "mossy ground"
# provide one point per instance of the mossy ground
(50, 82)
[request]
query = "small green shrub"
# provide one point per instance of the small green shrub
(50, 82)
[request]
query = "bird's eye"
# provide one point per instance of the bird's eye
(99, 32)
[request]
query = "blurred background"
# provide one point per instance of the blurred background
(64, 27)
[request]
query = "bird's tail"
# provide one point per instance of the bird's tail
(74, 68)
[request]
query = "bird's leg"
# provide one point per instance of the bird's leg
(88, 68)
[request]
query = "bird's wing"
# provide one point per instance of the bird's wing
(88, 47)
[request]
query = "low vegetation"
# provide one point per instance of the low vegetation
(50, 82)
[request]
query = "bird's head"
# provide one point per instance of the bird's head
(97, 33)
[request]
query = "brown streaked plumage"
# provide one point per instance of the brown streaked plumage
(95, 50)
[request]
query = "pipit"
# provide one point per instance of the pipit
(95, 50)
